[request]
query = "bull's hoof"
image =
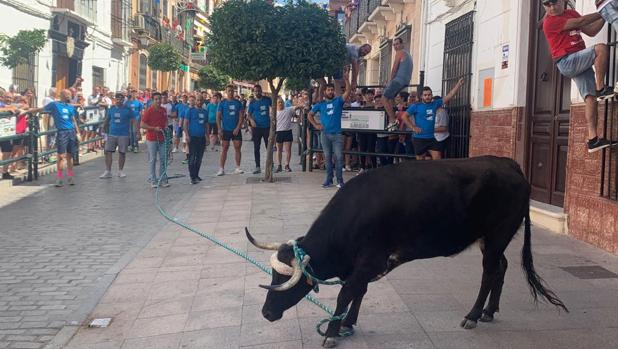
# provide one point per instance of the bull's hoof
(345, 331)
(468, 324)
(487, 318)
(329, 342)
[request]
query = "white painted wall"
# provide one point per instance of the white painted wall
(496, 23)
(25, 15)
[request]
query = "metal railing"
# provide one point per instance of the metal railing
(609, 156)
(308, 147)
(33, 137)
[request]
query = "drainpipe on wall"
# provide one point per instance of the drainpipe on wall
(424, 37)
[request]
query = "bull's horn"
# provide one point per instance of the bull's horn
(293, 280)
(269, 246)
(279, 266)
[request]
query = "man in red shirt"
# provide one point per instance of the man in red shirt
(154, 121)
(563, 28)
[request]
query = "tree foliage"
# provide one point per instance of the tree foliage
(252, 40)
(19, 48)
(212, 79)
(163, 57)
(297, 84)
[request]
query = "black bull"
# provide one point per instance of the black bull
(413, 210)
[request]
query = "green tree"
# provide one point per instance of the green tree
(19, 48)
(251, 40)
(297, 84)
(212, 79)
(163, 57)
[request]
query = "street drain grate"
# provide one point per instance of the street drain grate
(255, 180)
(590, 272)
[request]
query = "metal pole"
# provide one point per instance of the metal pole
(31, 142)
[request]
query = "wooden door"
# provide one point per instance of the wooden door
(549, 102)
(62, 73)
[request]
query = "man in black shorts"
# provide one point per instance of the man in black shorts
(229, 120)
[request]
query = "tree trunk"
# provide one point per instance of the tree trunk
(268, 173)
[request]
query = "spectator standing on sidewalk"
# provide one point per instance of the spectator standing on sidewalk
(194, 127)
(119, 120)
(259, 119)
(67, 137)
(213, 131)
(330, 110)
(137, 107)
(154, 122)
(284, 135)
(562, 28)
(441, 132)
(229, 121)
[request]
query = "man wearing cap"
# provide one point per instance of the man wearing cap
(120, 121)
(563, 28)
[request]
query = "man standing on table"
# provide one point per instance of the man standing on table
(400, 78)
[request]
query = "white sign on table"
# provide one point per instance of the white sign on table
(363, 119)
(7, 126)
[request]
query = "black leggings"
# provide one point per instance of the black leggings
(258, 133)
(196, 152)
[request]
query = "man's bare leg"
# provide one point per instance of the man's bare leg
(225, 145)
(600, 64)
(388, 107)
(237, 145)
(591, 113)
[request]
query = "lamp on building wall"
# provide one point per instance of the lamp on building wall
(144, 41)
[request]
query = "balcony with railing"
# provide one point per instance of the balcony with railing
(84, 8)
(360, 16)
(147, 27)
(170, 37)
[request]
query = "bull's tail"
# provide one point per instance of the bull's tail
(535, 282)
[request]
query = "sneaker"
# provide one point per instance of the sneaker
(606, 93)
(288, 169)
(221, 172)
(392, 126)
(279, 169)
(257, 170)
(165, 184)
(327, 184)
(238, 170)
(185, 161)
(59, 183)
(70, 181)
(194, 181)
(597, 144)
(154, 185)
(361, 171)
(121, 174)
(340, 185)
(199, 179)
(7, 175)
(106, 174)
(175, 150)
(347, 169)
(136, 150)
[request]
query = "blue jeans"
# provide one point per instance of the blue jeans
(156, 148)
(333, 142)
(578, 66)
(132, 137)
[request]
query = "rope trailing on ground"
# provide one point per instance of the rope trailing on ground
(166, 145)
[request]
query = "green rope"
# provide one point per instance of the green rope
(167, 143)
(300, 254)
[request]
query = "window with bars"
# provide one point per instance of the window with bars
(385, 61)
(143, 71)
(25, 76)
(98, 76)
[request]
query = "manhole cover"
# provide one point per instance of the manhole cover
(254, 180)
(590, 272)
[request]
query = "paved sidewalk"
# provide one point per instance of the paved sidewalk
(181, 291)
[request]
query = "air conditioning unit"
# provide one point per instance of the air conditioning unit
(138, 23)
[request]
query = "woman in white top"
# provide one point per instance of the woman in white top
(284, 135)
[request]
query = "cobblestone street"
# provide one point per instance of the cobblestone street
(102, 250)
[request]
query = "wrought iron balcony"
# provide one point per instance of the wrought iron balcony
(359, 16)
(145, 25)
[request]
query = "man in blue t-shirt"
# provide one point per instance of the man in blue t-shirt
(213, 131)
(137, 108)
(120, 121)
(330, 110)
(179, 112)
(67, 137)
(194, 127)
(229, 119)
(423, 122)
(259, 118)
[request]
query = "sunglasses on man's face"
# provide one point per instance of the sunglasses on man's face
(549, 2)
